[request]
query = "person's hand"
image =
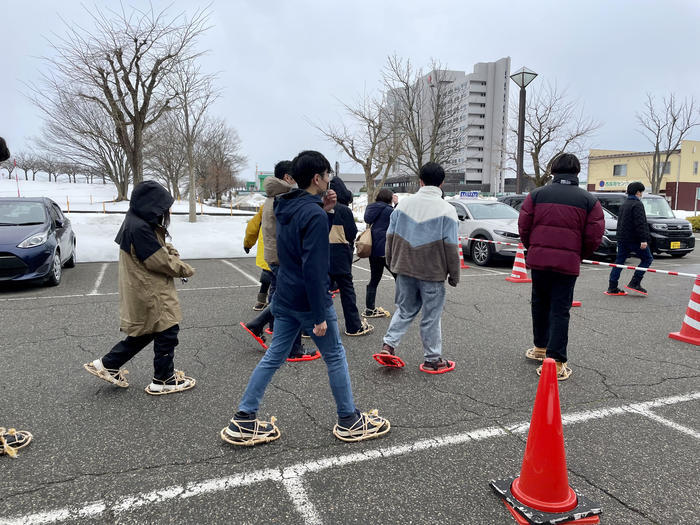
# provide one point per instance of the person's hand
(329, 200)
(643, 246)
(247, 250)
(394, 199)
(320, 329)
(452, 281)
(187, 271)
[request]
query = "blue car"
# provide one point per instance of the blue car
(36, 240)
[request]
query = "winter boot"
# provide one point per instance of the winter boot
(614, 290)
(261, 302)
(636, 286)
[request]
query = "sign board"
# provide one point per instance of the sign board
(610, 184)
(468, 194)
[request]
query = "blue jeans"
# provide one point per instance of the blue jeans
(411, 295)
(288, 326)
(624, 250)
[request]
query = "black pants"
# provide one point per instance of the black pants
(376, 266)
(552, 294)
(348, 300)
(265, 317)
(266, 277)
(164, 344)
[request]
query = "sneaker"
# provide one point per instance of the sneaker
(11, 440)
(259, 306)
(305, 335)
(306, 354)
(179, 382)
(614, 290)
(365, 328)
(375, 312)
(536, 353)
(636, 287)
(440, 366)
(259, 337)
(563, 371)
(116, 377)
(367, 426)
(387, 357)
(249, 432)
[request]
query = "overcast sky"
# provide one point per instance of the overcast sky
(282, 64)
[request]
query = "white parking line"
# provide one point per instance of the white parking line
(256, 281)
(291, 477)
(98, 282)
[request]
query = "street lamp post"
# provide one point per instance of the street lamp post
(522, 78)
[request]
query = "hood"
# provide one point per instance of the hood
(344, 194)
(288, 204)
(13, 235)
(571, 177)
(150, 200)
(274, 186)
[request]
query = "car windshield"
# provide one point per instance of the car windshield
(657, 208)
(21, 213)
(491, 210)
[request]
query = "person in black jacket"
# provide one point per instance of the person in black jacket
(377, 216)
(342, 241)
(632, 237)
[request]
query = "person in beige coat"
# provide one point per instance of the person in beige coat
(149, 308)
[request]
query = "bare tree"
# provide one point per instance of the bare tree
(219, 160)
(371, 140)
(122, 66)
(82, 133)
(554, 124)
(665, 127)
(424, 113)
(165, 156)
(49, 165)
(195, 93)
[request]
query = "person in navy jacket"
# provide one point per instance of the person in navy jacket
(302, 302)
(377, 215)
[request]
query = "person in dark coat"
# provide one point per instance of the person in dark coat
(377, 215)
(560, 224)
(632, 237)
(342, 241)
(301, 302)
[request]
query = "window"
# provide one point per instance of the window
(695, 167)
(665, 168)
(620, 170)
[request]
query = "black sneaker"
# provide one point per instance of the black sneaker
(304, 354)
(614, 290)
(636, 287)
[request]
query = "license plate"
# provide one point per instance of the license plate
(675, 245)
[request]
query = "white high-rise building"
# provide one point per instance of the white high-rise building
(479, 126)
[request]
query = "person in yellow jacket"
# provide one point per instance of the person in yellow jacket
(149, 309)
(253, 234)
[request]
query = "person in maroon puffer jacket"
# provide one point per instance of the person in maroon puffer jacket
(560, 224)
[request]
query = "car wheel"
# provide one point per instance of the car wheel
(54, 277)
(70, 263)
(481, 253)
(678, 255)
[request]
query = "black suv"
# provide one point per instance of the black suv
(667, 234)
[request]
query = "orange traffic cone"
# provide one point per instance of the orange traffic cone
(690, 330)
(519, 272)
(541, 494)
(462, 264)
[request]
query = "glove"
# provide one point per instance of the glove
(452, 281)
(247, 250)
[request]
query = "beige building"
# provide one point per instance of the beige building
(613, 170)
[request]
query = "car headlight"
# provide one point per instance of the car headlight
(660, 226)
(504, 233)
(35, 240)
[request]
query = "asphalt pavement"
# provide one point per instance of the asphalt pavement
(107, 455)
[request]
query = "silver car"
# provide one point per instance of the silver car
(492, 220)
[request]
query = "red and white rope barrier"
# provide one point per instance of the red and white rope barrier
(649, 270)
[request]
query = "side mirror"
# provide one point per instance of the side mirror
(59, 223)
(462, 217)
